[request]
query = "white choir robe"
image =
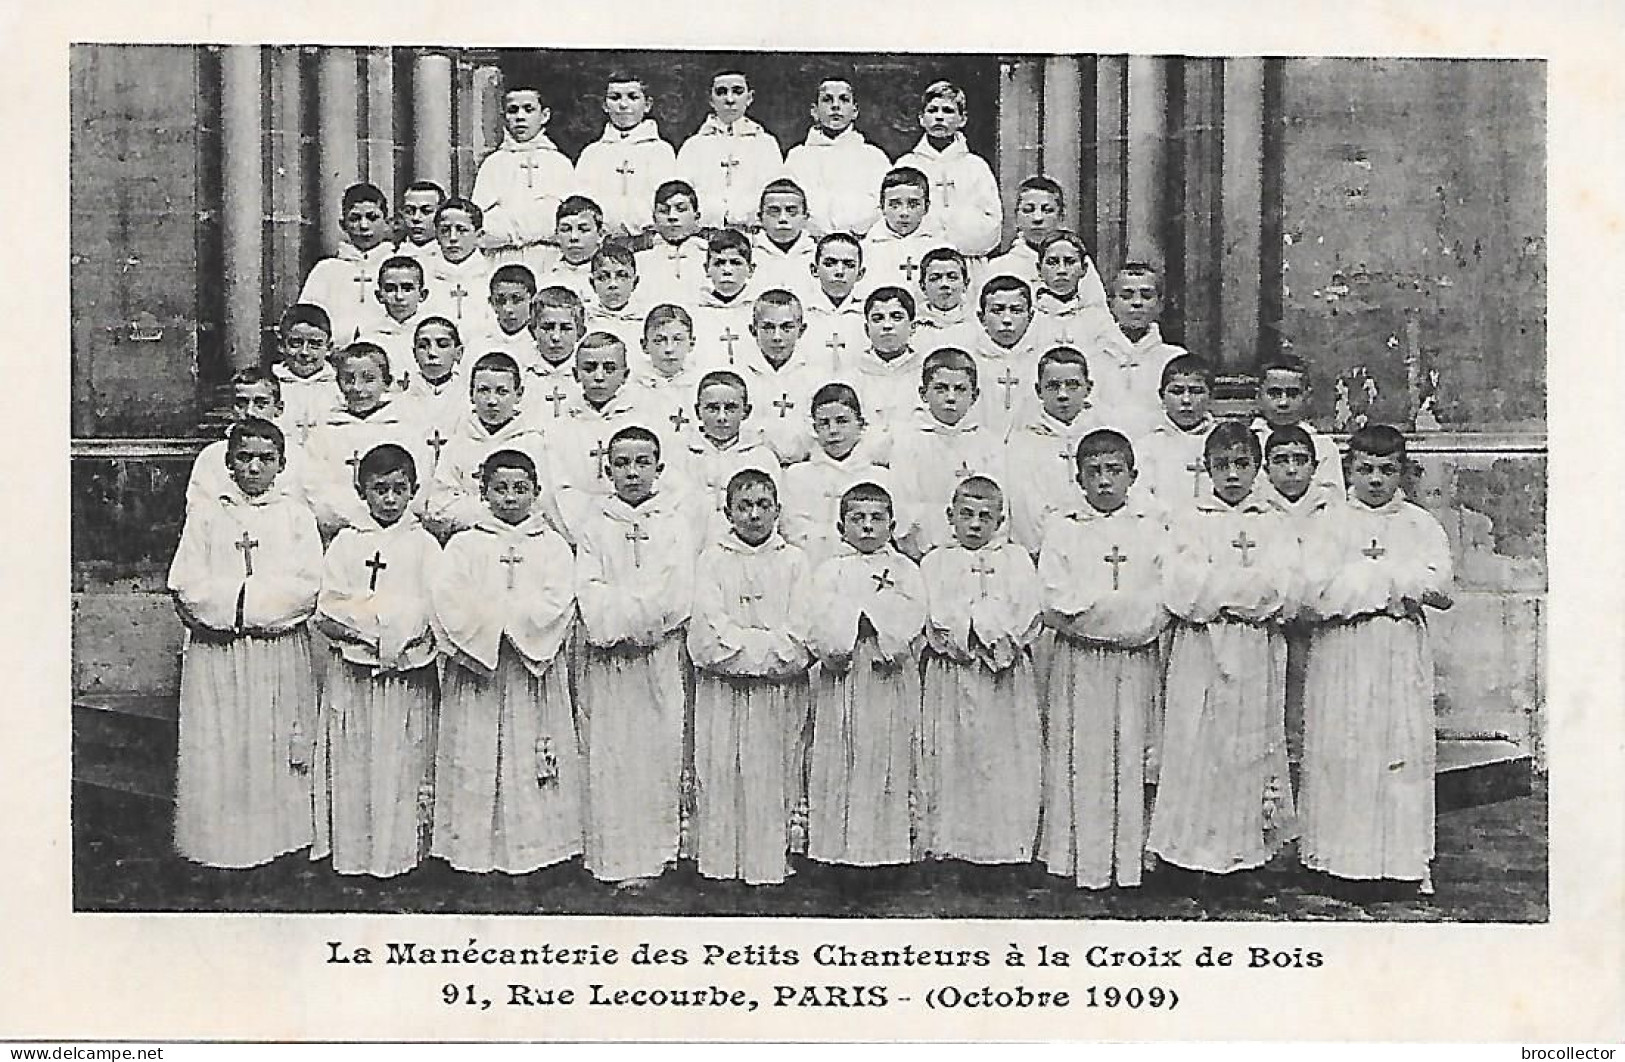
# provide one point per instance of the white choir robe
(461, 293)
(1298, 630)
(781, 397)
(894, 260)
(578, 452)
(549, 390)
(1101, 579)
(634, 579)
(1042, 456)
(835, 331)
(1328, 478)
(700, 472)
(1128, 376)
(1021, 261)
(519, 187)
(951, 327)
(1369, 741)
(509, 777)
(423, 253)
(841, 176)
(1074, 322)
(981, 748)
(1007, 378)
(620, 172)
(1169, 466)
(752, 707)
(728, 167)
(785, 268)
(664, 405)
(333, 458)
(929, 459)
(520, 346)
(965, 206)
(395, 337)
(552, 269)
(888, 391)
(721, 330)
(625, 324)
(810, 500)
(672, 273)
(863, 766)
(210, 478)
(380, 700)
(436, 407)
(454, 502)
(306, 400)
(346, 286)
(1224, 795)
(248, 700)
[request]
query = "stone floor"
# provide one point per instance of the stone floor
(1491, 867)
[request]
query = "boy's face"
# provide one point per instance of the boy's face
(753, 513)
(944, 285)
(1375, 479)
(1282, 396)
(668, 345)
(436, 351)
(365, 225)
(866, 526)
(948, 395)
(1063, 389)
(305, 349)
(942, 118)
(784, 216)
(401, 292)
(417, 210)
(839, 267)
(1185, 400)
(601, 371)
(580, 236)
(457, 234)
(728, 271)
(888, 326)
(633, 468)
(495, 394)
(1105, 479)
(722, 409)
(777, 328)
(730, 97)
(557, 332)
(1061, 267)
(677, 218)
(387, 495)
(254, 465)
(1291, 468)
(255, 400)
(510, 493)
(613, 282)
(974, 518)
(903, 207)
(1006, 316)
(1135, 301)
(1232, 469)
(361, 382)
(837, 428)
(524, 115)
(1038, 215)
(626, 104)
(836, 108)
(510, 303)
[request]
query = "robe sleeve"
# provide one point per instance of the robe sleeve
(898, 614)
(832, 612)
(403, 610)
(640, 612)
(1339, 581)
(515, 217)
(718, 642)
(468, 615)
(1011, 608)
(1264, 590)
(546, 605)
(948, 621)
(1088, 608)
(329, 488)
(1191, 586)
(281, 596)
(974, 218)
(342, 601)
(208, 592)
(1423, 565)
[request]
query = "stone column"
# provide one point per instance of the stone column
(1147, 158)
(1243, 220)
(243, 185)
(1063, 134)
(431, 117)
(338, 146)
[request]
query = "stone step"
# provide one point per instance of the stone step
(1471, 771)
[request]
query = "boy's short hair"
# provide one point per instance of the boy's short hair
(573, 205)
(727, 240)
(1284, 363)
(401, 261)
(1062, 236)
(444, 322)
(838, 394)
(722, 378)
(601, 340)
(305, 313)
(523, 86)
(1186, 365)
(497, 361)
(363, 193)
(979, 487)
(783, 184)
(255, 428)
(424, 186)
(509, 459)
(1063, 356)
(1140, 267)
(1231, 433)
(906, 177)
(665, 313)
(613, 251)
(1289, 435)
(889, 293)
(384, 459)
(1040, 183)
(634, 433)
(866, 491)
(776, 297)
(668, 189)
(622, 77)
(837, 237)
(258, 376)
(749, 477)
(1002, 283)
(514, 273)
(467, 206)
(1378, 440)
(948, 359)
(365, 350)
(1103, 441)
(943, 90)
(945, 254)
(558, 297)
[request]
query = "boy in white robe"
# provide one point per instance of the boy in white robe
(1129, 357)
(580, 233)
(663, 393)
(1100, 572)
(245, 579)
(722, 314)
(782, 253)
(634, 579)
(1006, 348)
(1042, 453)
(751, 701)
(945, 312)
(254, 393)
(436, 396)
(980, 758)
(1066, 311)
(672, 268)
(1283, 399)
(343, 285)
(721, 443)
(558, 321)
(506, 327)
(509, 771)
(622, 168)
(519, 185)
(731, 158)
(1040, 214)
(578, 441)
(845, 455)
(839, 169)
(617, 306)
(894, 248)
(834, 314)
(375, 743)
(460, 276)
(1172, 468)
(415, 220)
(783, 374)
(1375, 565)
(305, 372)
(966, 210)
(865, 623)
(886, 370)
(1224, 798)
(392, 321)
